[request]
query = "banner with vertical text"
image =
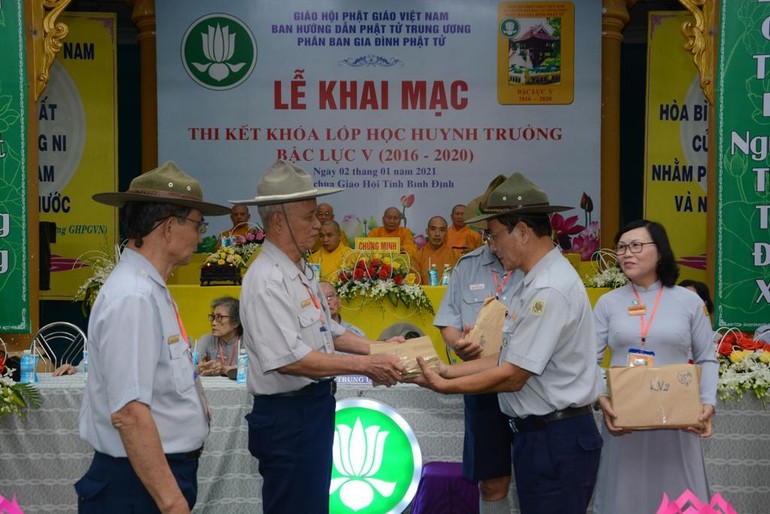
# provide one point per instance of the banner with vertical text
(742, 298)
(14, 268)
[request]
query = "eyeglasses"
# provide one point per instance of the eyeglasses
(201, 225)
(489, 236)
(217, 317)
(330, 297)
(635, 247)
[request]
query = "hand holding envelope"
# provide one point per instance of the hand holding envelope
(488, 330)
(408, 351)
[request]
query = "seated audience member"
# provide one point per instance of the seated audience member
(325, 212)
(436, 251)
(334, 308)
(702, 290)
(391, 227)
(461, 237)
(240, 216)
(332, 251)
(219, 350)
(68, 369)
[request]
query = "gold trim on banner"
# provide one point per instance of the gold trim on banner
(701, 41)
(53, 32)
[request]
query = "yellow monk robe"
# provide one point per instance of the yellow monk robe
(463, 240)
(403, 233)
(426, 256)
(343, 240)
(330, 262)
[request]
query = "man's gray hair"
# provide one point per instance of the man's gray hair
(267, 211)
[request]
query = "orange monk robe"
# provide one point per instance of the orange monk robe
(463, 240)
(426, 256)
(343, 239)
(330, 262)
(403, 233)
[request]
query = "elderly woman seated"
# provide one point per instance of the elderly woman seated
(219, 350)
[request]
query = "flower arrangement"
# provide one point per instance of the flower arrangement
(744, 365)
(608, 273)
(376, 277)
(15, 397)
(101, 262)
(225, 256)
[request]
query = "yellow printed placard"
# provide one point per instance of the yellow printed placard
(676, 152)
(535, 53)
(378, 244)
(77, 148)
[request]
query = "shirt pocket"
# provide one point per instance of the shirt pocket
(181, 367)
(474, 299)
(310, 328)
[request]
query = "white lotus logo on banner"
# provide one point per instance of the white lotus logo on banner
(358, 457)
(218, 47)
(219, 51)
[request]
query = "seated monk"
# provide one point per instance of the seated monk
(460, 236)
(391, 227)
(436, 251)
(325, 212)
(331, 253)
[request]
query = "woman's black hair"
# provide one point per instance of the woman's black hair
(703, 291)
(667, 268)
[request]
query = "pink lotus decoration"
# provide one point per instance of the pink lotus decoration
(406, 202)
(563, 228)
(10, 506)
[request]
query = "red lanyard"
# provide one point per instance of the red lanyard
(182, 331)
(232, 352)
(316, 303)
(499, 288)
(644, 329)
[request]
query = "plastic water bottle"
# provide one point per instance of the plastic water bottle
(85, 364)
(445, 275)
(243, 367)
(433, 276)
(28, 374)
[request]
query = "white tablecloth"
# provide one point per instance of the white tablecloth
(42, 456)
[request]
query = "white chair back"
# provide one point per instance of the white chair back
(58, 343)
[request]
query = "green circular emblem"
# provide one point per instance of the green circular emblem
(219, 51)
(377, 460)
(509, 27)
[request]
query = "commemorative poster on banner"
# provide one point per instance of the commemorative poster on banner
(677, 143)
(742, 296)
(77, 149)
(416, 105)
(14, 269)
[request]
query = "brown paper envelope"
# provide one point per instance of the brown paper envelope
(488, 330)
(408, 352)
(662, 397)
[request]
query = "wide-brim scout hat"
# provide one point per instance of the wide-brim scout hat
(476, 206)
(165, 184)
(517, 195)
(284, 183)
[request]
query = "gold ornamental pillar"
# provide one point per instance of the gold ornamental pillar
(143, 16)
(614, 18)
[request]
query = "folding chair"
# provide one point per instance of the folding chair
(58, 343)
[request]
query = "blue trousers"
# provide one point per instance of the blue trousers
(556, 466)
(487, 441)
(111, 485)
(292, 437)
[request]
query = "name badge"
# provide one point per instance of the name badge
(305, 303)
(173, 339)
(476, 287)
(639, 357)
(637, 310)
